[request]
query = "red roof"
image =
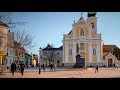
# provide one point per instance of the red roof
(3, 24)
(109, 48)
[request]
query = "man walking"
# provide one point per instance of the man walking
(43, 67)
(39, 69)
(22, 66)
(13, 68)
(96, 69)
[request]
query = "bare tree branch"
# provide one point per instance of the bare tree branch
(19, 40)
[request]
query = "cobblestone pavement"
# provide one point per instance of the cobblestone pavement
(67, 73)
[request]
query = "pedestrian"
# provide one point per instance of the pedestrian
(51, 67)
(96, 69)
(39, 69)
(43, 67)
(13, 68)
(22, 66)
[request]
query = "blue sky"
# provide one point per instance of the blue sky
(49, 27)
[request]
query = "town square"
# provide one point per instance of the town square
(42, 47)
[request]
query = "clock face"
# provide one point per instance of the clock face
(92, 20)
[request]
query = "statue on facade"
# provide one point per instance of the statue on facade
(77, 48)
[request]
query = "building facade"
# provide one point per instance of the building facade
(50, 55)
(83, 44)
(6, 44)
(109, 55)
(28, 59)
(34, 60)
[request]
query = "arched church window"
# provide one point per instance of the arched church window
(92, 25)
(94, 51)
(70, 52)
(81, 32)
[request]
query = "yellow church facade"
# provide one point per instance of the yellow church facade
(84, 41)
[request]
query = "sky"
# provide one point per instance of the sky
(49, 27)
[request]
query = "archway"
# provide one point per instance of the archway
(110, 62)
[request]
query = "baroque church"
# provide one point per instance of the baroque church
(83, 46)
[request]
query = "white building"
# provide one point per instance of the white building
(50, 55)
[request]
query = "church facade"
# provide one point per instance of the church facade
(83, 44)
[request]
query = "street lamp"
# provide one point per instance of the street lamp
(40, 50)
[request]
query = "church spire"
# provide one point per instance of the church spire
(81, 14)
(91, 14)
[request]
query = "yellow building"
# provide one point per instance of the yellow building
(83, 45)
(3, 40)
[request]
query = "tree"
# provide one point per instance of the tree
(116, 52)
(18, 39)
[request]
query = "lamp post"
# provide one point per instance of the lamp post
(40, 50)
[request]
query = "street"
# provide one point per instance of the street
(62, 73)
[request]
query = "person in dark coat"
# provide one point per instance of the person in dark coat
(51, 67)
(13, 68)
(96, 69)
(43, 67)
(39, 69)
(22, 66)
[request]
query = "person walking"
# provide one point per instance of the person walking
(22, 66)
(13, 68)
(43, 67)
(96, 69)
(51, 67)
(39, 69)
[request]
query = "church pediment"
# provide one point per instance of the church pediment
(110, 56)
(82, 23)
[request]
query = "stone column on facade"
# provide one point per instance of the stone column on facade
(74, 52)
(90, 31)
(74, 45)
(63, 53)
(98, 52)
(66, 52)
(90, 52)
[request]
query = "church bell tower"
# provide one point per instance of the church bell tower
(93, 20)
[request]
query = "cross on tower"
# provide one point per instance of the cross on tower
(81, 14)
